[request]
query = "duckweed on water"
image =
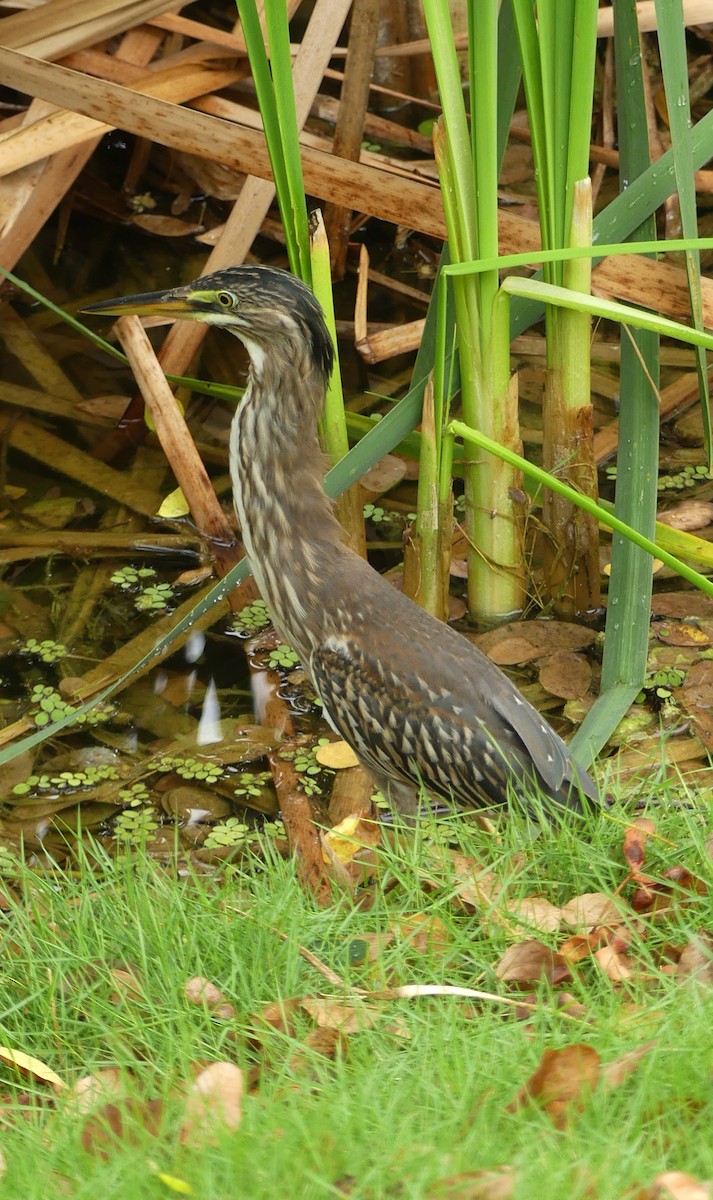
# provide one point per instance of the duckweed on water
(283, 658)
(66, 780)
(309, 770)
(250, 619)
(190, 768)
(132, 577)
(134, 795)
(134, 824)
(47, 651)
(251, 783)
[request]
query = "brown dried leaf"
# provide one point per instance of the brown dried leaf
(545, 636)
(590, 910)
(614, 1073)
(537, 912)
(328, 1043)
(527, 962)
(635, 838)
(688, 515)
(425, 934)
(681, 634)
(617, 967)
(579, 947)
(277, 1017)
(682, 604)
(115, 1123)
(513, 651)
(696, 961)
(477, 1185)
(566, 674)
(33, 1068)
(162, 226)
(97, 1088)
(562, 1082)
(477, 886)
(383, 476)
(201, 991)
(675, 1185)
(214, 1098)
(127, 984)
(332, 1014)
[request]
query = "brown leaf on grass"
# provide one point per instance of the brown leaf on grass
(477, 1185)
(527, 962)
(127, 985)
(696, 960)
(562, 1083)
(333, 1014)
(215, 1098)
(31, 1068)
(369, 947)
(566, 1002)
(99, 1087)
(635, 838)
(582, 945)
(120, 1123)
(476, 886)
(617, 967)
(675, 1185)
(590, 910)
(658, 895)
(326, 1043)
(616, 1072)
(277, 1017)
(205, 993)
(537, 912)
(424, 934)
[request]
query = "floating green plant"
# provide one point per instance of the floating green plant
(155, 598)
(135, 824)
(309, 770)
(232, 832)
(190, 768)
(251, 783)
(134, 795)
(250, 619)
(283, 658)
(47, 651)
(66, 780)
(51, 707)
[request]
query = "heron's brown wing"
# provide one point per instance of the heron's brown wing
(398, 726)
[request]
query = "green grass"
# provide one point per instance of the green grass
(422, 1094)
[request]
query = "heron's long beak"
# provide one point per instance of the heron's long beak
(149, 304)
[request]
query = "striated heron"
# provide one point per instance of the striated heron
(416, 701)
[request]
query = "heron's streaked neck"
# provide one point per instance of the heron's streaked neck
(291, 535)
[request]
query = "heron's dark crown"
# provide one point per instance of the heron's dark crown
(262, 291)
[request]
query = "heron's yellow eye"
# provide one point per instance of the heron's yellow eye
(226, 299)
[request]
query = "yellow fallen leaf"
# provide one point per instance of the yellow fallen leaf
(336, 756)
(174, 505)
(174, 1184)
(340, 842)
(31, 1066)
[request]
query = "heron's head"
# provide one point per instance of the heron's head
(273, 313)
